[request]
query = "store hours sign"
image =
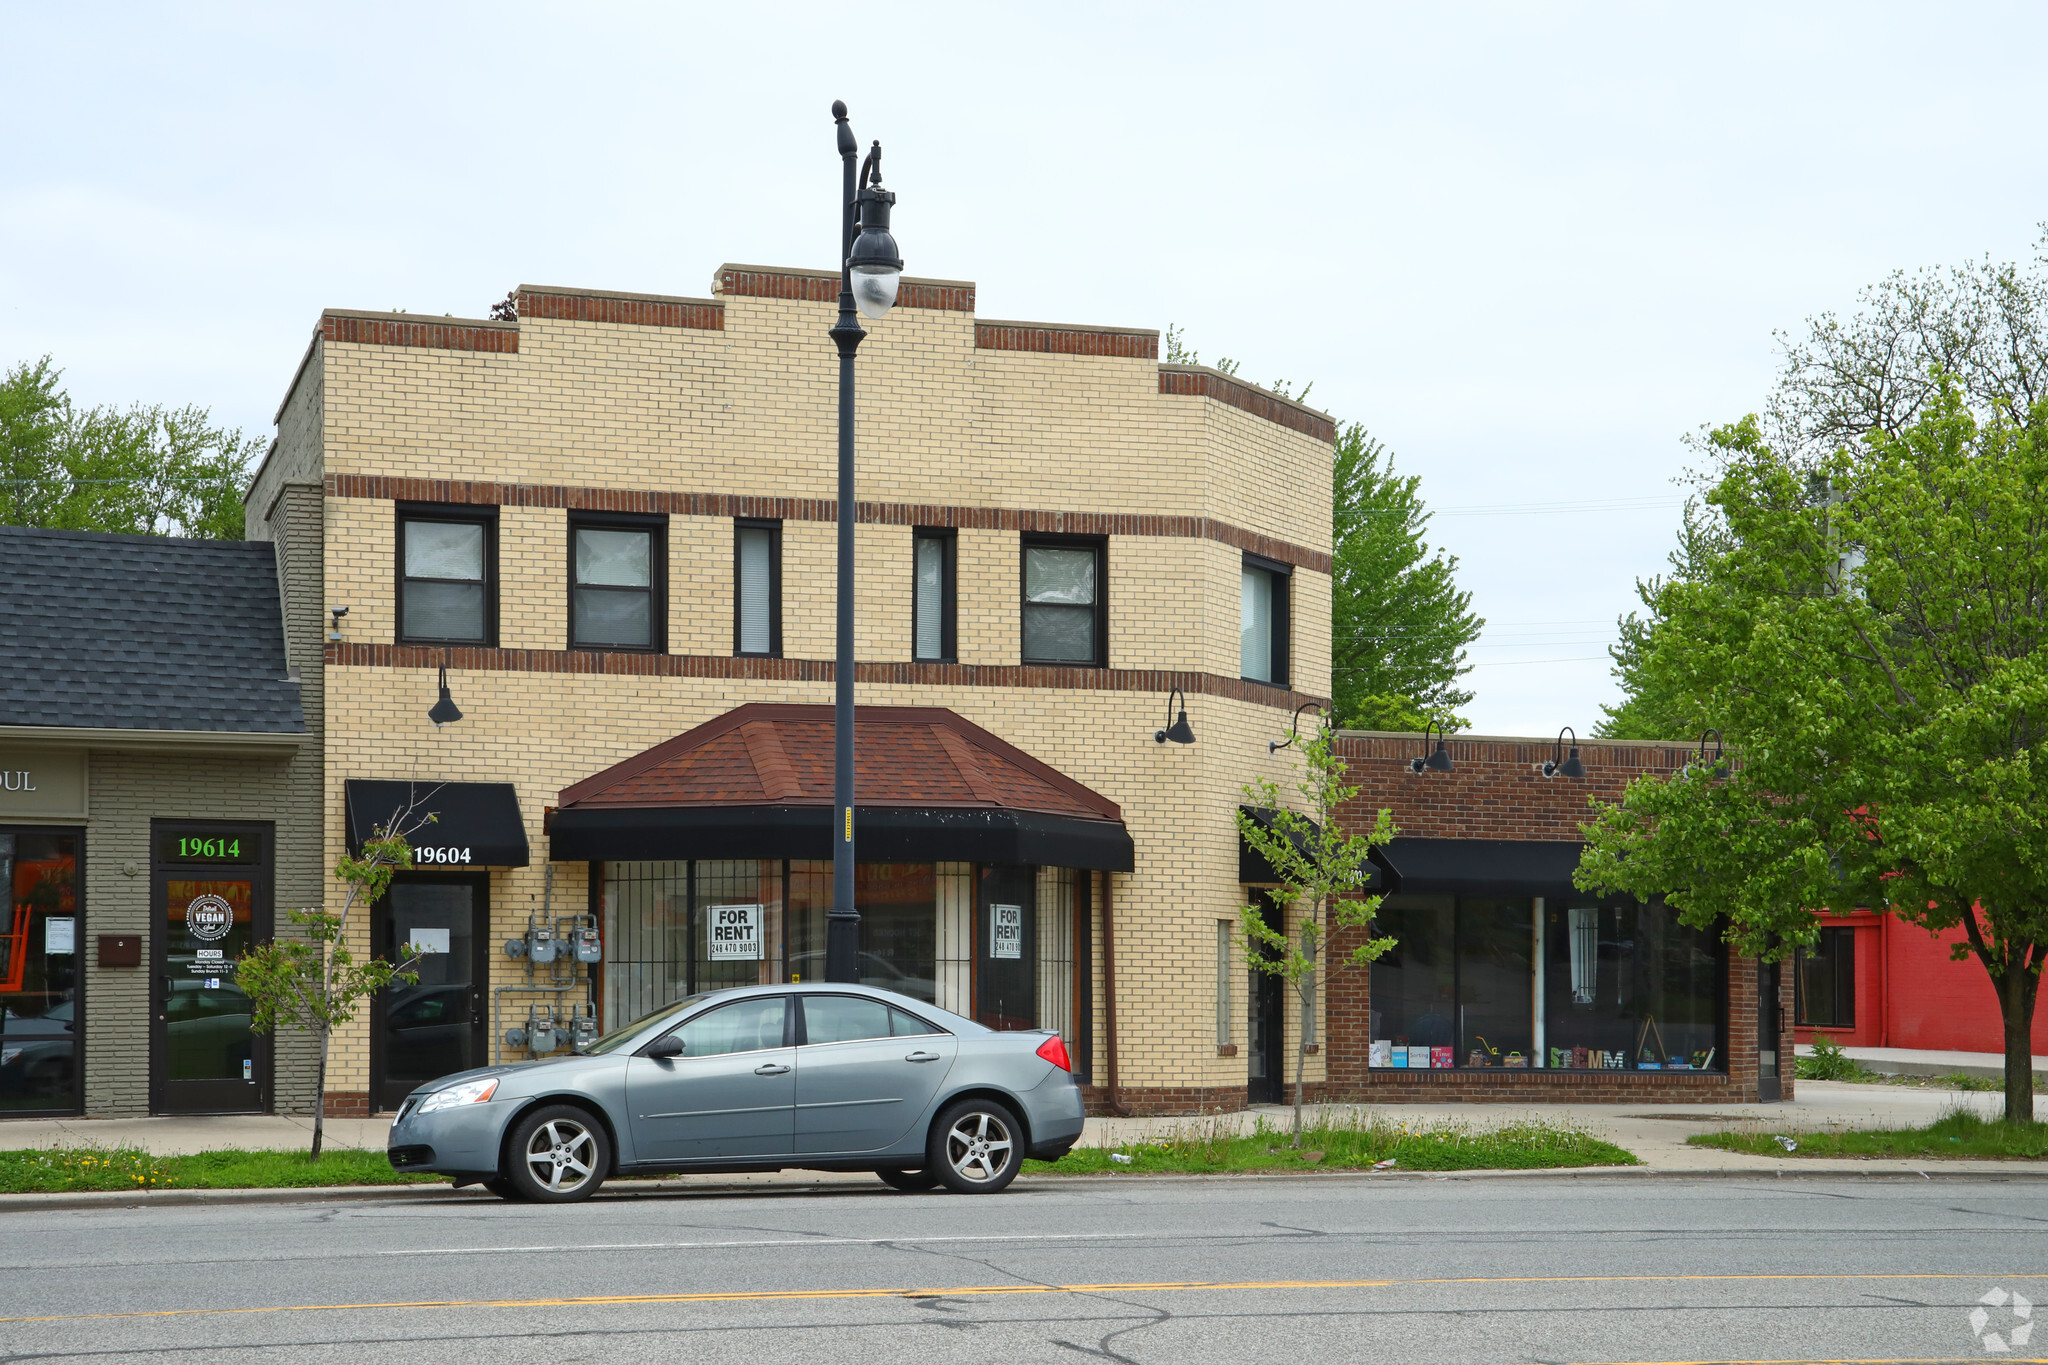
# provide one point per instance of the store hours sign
(1006, 931)
(735, 933)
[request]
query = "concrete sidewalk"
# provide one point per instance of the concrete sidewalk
(1655, 1133)
(1906, 1061)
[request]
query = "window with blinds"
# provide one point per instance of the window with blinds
(1263, 621)
(931, 597)
(757, 588)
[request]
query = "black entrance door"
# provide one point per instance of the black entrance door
(1767, 1022)
(436, 1026)
(210, 884)
(1266, 1067)
(1006, 948)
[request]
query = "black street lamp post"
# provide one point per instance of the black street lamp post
(869, 271)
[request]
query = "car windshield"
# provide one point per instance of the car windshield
(618, 1037)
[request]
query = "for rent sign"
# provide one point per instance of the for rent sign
(735, 933)
(1006, 931)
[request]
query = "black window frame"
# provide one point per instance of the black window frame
(656, 527)
(1837, 948)
(1100, 545)
(486, 517)
(949, 593)
(774, 530)
(1282, 575)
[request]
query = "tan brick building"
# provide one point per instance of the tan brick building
(612, 520)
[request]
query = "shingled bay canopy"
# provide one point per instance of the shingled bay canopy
(756, 782)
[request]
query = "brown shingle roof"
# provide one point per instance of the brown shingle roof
(911, 756)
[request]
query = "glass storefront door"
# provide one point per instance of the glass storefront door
(39, 946)
(211, 887)
(437, 1025)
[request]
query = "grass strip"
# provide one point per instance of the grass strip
(62, 1170)
(1963, 1134)
(1345, 1142)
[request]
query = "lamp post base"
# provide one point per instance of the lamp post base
(842, 947)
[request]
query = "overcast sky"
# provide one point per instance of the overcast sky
(1528, 246)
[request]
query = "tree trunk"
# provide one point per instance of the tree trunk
(1301, 1049)
(320, 1096)
(2016, 995)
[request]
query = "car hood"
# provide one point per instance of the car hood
(503, 1069)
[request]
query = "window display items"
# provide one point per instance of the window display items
(1585, 951)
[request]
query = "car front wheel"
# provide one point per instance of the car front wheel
(910, 1182)
(976, 1147)
(558, 1154)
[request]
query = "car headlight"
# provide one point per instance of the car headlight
(469, 1092)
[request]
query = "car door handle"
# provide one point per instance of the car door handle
(770, 1069)
(922, 1056)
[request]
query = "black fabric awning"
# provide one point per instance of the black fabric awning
(476, 824)
(880, 834)
(1253, 868)
(1486, 867)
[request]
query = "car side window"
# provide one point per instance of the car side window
(844, 1018)
(743, 1026)
(909, 1025)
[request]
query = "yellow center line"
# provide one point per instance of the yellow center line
(976, 1290)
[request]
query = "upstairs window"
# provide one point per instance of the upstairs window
(447, 576)
(1064, 602)
(757, 589)
(931, 597)
(1264, 621)
(618, 597)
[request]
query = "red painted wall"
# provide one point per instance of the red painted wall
(1909, 994)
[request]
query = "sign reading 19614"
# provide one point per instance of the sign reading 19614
(208, 846)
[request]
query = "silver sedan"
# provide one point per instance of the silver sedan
(835, 1078)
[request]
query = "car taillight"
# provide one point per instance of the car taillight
(1055, 1051)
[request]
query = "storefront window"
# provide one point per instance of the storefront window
(1628, 986)
(1825, 981)
(1624, 986)
(671, 931)
(39, 972)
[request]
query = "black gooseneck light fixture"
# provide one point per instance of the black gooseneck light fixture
(1180, 732)
(870, 271)
(1571, 767)
(1438, 761)
(1713, 764)
(1274, 746)
(445, 711)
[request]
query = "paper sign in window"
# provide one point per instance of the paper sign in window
(735, 933)
(1006, 931)
(429, 941)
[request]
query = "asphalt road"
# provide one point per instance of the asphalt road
(1301, 1271)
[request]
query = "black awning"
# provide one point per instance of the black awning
(1486, 867)
(1254, 869)
(881, 834)
(476, 824)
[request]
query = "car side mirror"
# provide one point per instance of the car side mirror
(666, 1047)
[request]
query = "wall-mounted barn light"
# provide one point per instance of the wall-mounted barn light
(1437, 762)
(1274, 746)
(1179, 731)
(1570, 767)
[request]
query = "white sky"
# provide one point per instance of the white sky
(1528, 246)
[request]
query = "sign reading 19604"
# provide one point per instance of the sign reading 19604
(423, 856)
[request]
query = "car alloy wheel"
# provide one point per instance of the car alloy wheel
(558, 1155)
(978, 1147)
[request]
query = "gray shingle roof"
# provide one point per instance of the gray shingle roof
(142, 633)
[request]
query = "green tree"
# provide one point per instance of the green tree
(313, 981)
(148, 470)
(1400, 624)
(1321, 869)
(1866, 628)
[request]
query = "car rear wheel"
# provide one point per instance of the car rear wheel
(557, 1155)
(976, 1147)
(910, 1182)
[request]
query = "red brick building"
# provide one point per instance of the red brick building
(1508, 983)
(1875, 981)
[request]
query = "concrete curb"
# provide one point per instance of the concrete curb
(826, 1181)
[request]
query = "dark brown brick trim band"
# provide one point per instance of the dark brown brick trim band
(485, 494)
(822, 286)
(353, 655)
(1203, 382)
(633, 310)
(400, 329)
(1032, 336)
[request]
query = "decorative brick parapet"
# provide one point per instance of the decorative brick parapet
(822, 286)
(633, 310)
(1201, 381)
(406, 329)
(1129, 343)
(351, 654)
(1037, 521)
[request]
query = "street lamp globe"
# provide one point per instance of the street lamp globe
(874, 265)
